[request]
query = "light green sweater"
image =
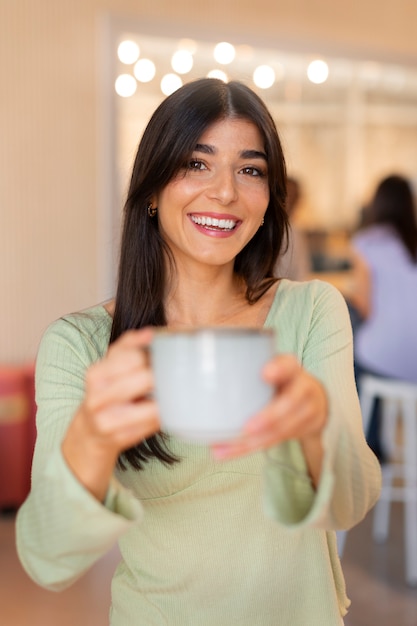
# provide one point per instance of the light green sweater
(246, 542)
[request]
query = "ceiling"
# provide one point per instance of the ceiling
(378, 82)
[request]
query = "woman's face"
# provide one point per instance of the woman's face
(216, 203)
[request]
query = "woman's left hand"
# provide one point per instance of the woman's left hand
(298, 410)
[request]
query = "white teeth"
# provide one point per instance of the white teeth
(214, 222)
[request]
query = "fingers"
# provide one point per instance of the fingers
(123, 374)
(124, 425)
(135, 383)
(298, 410)
(94, 441)
(117, 412)
(130, 350)
(281, 369)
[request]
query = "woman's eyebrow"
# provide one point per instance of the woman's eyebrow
(245, 154)
(205, 147)
(253, 154)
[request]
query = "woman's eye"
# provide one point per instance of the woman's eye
(253, 171)
(195, 164)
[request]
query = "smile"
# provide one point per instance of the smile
(213, 223)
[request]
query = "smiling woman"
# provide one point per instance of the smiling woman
(235, 532)
(215, 205)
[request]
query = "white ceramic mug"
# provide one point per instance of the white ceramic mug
(208, 381)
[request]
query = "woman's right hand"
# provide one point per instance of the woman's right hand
(116, 413)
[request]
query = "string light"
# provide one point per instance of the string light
(224, 53)
(182, 61)
(125, 85)
(170, 83)
(318, 71)
(218, 74)
(264, 76)
(128, 52)
(144, 70)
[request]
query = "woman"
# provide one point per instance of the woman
(237, 533)
(385, 289)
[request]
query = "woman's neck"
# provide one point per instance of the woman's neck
(201, 299)
(214, 299)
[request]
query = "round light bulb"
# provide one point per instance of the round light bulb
(128, 52)
(218, 74)
(224, 53)
(144, 70)
(125, 85)
(170, 83)
(182, 61)
(264, 76)
(318, 71)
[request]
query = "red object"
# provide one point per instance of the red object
(29, 372)
(16, 434)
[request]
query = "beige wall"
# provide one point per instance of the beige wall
(50, 261)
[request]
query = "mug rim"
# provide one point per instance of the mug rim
(215, 330)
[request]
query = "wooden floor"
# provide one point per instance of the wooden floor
(374, 576)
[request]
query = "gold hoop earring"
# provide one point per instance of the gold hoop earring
(151, 210)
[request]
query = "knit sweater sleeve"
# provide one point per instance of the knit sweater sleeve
(50, 546)
(314, 324)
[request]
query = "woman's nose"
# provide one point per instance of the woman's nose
(223, 186)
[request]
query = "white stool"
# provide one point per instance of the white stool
(399, 402)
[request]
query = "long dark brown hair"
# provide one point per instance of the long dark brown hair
(167, 144)
(393, 204)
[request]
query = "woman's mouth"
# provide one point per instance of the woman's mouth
(214, 223)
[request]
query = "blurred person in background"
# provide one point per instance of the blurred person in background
(295, 262)
(384, 290)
